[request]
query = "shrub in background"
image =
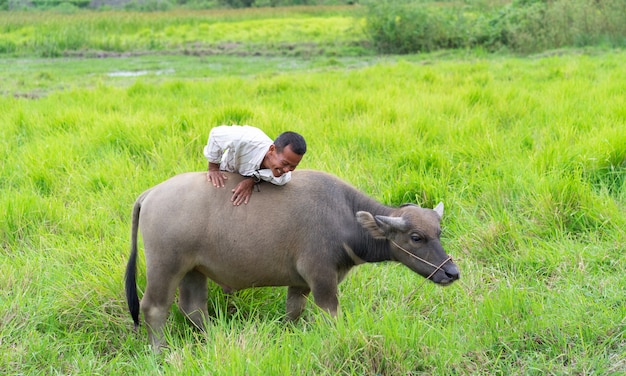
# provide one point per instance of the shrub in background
(536, 25)
(404, 26)
(64, 6)
(522, 26)
(149, 5)
(589, 22)
(281, 3)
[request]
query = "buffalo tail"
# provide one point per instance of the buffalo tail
(131, 267)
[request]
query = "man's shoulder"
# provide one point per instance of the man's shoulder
(248, 129)
(242, 130)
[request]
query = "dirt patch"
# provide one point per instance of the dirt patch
(307, 49)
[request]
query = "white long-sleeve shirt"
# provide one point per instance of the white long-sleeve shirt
(241, 149)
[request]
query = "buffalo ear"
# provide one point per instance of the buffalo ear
(439, 209)
(380, 225)
(368, 222)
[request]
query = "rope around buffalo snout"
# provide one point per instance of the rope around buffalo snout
(437, 268)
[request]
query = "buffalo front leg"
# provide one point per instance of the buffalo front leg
(325, 295)
(296, 301)
(192, 298)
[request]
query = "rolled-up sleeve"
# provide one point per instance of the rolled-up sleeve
(217, 143)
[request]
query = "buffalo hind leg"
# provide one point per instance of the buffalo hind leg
(296, 301)
(155, 305)
(192, 298)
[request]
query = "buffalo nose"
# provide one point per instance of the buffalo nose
(452, 272)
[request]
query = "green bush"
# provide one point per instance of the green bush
(237, 3)
(63, 6)
(401, 26)
(522, 27)
(66, 8)
(534, 25)
(149, 5)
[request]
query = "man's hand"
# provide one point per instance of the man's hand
(242, 192)
(215, 176)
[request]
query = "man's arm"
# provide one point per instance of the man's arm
(217, 143)
(241, 192)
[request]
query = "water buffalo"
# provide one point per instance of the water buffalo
(305, 235)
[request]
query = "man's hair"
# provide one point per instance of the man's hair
(298, 145)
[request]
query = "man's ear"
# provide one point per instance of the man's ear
(272, 149)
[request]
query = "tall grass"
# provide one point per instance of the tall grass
(528, 156)
(51, 34)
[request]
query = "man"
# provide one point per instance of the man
(250, 152)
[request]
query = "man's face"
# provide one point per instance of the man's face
(284, 162)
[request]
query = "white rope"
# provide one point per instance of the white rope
(437, 268)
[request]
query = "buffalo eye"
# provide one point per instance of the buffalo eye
(416, 238)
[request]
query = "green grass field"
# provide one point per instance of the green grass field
(292, 31)
(527, 153)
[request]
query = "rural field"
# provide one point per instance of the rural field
(527, 152)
